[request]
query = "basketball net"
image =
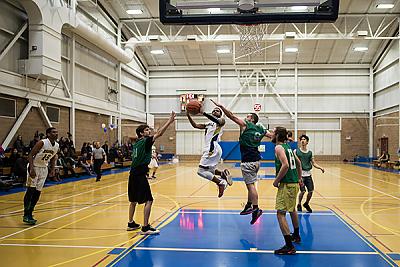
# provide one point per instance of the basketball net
(251, 37)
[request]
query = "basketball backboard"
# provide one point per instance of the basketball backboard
(203, 12)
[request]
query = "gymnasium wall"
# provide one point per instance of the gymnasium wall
(168, 142)
(325, 97)
(387, 99)
(96, 81)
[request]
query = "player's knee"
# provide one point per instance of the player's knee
(205, 174)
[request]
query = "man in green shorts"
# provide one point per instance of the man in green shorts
(288, 171)
(307, 162)
(250, 138)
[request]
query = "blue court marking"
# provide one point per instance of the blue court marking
(370, 166)
(261, 177)
(394, 256)
(225, 238)
(71, 179)
(262, 165)
(116, 251)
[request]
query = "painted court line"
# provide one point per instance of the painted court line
(237, 213)
(258, 251)
(55, 246)
(371, 188)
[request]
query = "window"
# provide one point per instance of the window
(53, 113)
(8, 107)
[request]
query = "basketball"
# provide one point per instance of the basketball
(193, 107)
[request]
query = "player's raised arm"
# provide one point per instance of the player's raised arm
(230, 115)
(193, 123)
(163, 128)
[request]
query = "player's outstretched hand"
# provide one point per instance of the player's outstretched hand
(322, 170)
(217, 104)
(173, 115)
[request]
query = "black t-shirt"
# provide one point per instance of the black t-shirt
(249, 154)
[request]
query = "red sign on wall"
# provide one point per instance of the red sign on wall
(257, 107)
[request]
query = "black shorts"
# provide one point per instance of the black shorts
(138, 186)
(308, 182)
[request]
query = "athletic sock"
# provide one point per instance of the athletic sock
(35, 199)
(296, 231)
(288, 241)
(28, 200)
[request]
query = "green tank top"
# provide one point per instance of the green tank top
(252, 135)
(141, 152)
(305, 159)
(291, 175)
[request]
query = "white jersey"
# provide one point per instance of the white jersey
(212, 136)
(45, 153)
(153, 152)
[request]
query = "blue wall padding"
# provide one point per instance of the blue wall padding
(231, 150)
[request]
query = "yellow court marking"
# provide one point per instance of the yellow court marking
(136, 239)
(68, 224)
(369, 217)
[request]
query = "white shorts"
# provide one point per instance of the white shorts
(153, 164)
(213, 159)
(38, 181)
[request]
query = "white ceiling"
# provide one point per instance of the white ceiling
(334, 50)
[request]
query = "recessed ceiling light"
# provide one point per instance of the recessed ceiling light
(360, 48)
(134, 11)
(157, 52)
(384, 6)
(291, 50)
(223, 51)
(299, 8)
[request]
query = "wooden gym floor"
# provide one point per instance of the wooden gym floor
(83, 223)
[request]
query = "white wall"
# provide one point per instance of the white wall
(95, 71)
(324, 96)
(386, 80)
(386, 83)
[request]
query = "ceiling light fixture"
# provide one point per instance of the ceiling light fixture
(291, 50)
(223, 51)
(299, 8)
(157, 52)
(134, 11)
(384, 4)
(360, 48)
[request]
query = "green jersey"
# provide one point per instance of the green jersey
(250, 140)
(291, 175)
(141, 152)
(305, 158)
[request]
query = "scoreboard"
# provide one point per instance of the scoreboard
(186, 98)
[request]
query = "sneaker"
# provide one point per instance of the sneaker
(149, 230)
(133, 226)
(285, 250)
(295, 239)
(221, 187)
(307, 207)
(29, 220)
(97, 179)
(153, 177)
(255, 215)
(246, 210)
(227, 176)
(299, 208)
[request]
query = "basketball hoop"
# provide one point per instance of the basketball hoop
(251, 36)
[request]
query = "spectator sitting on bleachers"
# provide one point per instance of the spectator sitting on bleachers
(384, 158)
(33, 142)
(83, 161)
(19, 144)
(13, 157)
(19, 168)
(66, 164)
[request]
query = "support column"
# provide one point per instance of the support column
(219, 85)
(72, 120)
(371, 114)
(296, 91)
(119, 87)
